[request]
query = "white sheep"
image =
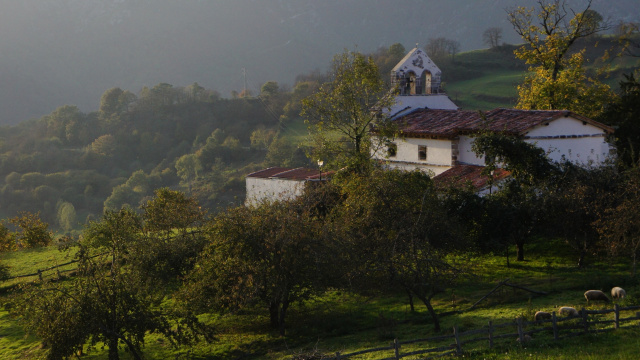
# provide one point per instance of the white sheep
(568, 311)
(541, 315)
(595, 295)
(618, 293)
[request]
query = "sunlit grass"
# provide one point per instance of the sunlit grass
(340, 321)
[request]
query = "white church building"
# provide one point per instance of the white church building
(436, 137)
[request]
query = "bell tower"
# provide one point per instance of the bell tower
(416, 74)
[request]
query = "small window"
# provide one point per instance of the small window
(392, 150)
(422, 152)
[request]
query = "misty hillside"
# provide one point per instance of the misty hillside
(58, 52)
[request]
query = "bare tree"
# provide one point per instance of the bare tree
(440, 48)
(492, 36)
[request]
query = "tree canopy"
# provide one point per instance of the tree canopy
(341, 113)
(557, 78)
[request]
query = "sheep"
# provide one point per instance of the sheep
(595, 295)
(568, 311)
(618, 293)
(541, 315)
(525, 339)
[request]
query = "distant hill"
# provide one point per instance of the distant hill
(59, 52)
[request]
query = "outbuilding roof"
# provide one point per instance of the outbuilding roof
(450, 123)
(461, 175)
(298, 174)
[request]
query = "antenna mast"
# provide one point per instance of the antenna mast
(244, 74)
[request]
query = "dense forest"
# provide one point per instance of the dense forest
(70, 166)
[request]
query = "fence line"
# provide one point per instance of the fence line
(560, 331)
(40, 271)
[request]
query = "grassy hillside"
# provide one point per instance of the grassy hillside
(348, 322)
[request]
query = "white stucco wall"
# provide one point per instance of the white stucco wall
(465, 154)
(270, 189)
(438, 155)
(573, 140)
(565, 126)
(582, 151)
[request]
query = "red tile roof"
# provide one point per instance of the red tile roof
(299, 174)
(461, 175)
(450, 123)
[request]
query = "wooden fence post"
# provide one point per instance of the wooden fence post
(584, 320)
(338, 355)
(520, 331)
(490, 334)
(40, 274)
(457, 336)
(616, 309)
(396, 347)
(555, 325)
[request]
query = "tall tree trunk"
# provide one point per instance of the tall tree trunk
(112, 343)
(273, 314)
(281, 318)
(432, 312)
(520, 250)
(410, 294)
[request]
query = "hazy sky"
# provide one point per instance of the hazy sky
(57, 52)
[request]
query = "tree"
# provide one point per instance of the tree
(442, 48)
(270, 88)
(518, 202)
(270, 255)
(340, 113)
(619, 224)
(106, 302)
(66, 216)
(33, 232)
(574, 201)
(188, 167)
(397, 232)
(492, 36)
(624, 114)
(172, 210)
(557, 78)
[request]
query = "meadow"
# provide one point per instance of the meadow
(341, 321)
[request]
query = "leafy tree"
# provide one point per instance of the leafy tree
(397, 232)
(170, 210)
(340, 114)
(188, 167)
(269, 88)
(557, 78)
(105, 303)
(624, 114)
(574, 200)
(66, 216)
(261, 138)
(7, 239)
(619, 224)
(269, 255)
(519, 198)
(32, 232)
(492, 36)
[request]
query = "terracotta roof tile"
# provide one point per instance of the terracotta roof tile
(449, 123)
(460, 175)
(299, 174)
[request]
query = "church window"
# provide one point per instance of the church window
(422, 152)
(392, 150)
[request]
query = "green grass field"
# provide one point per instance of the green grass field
(347, 322)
